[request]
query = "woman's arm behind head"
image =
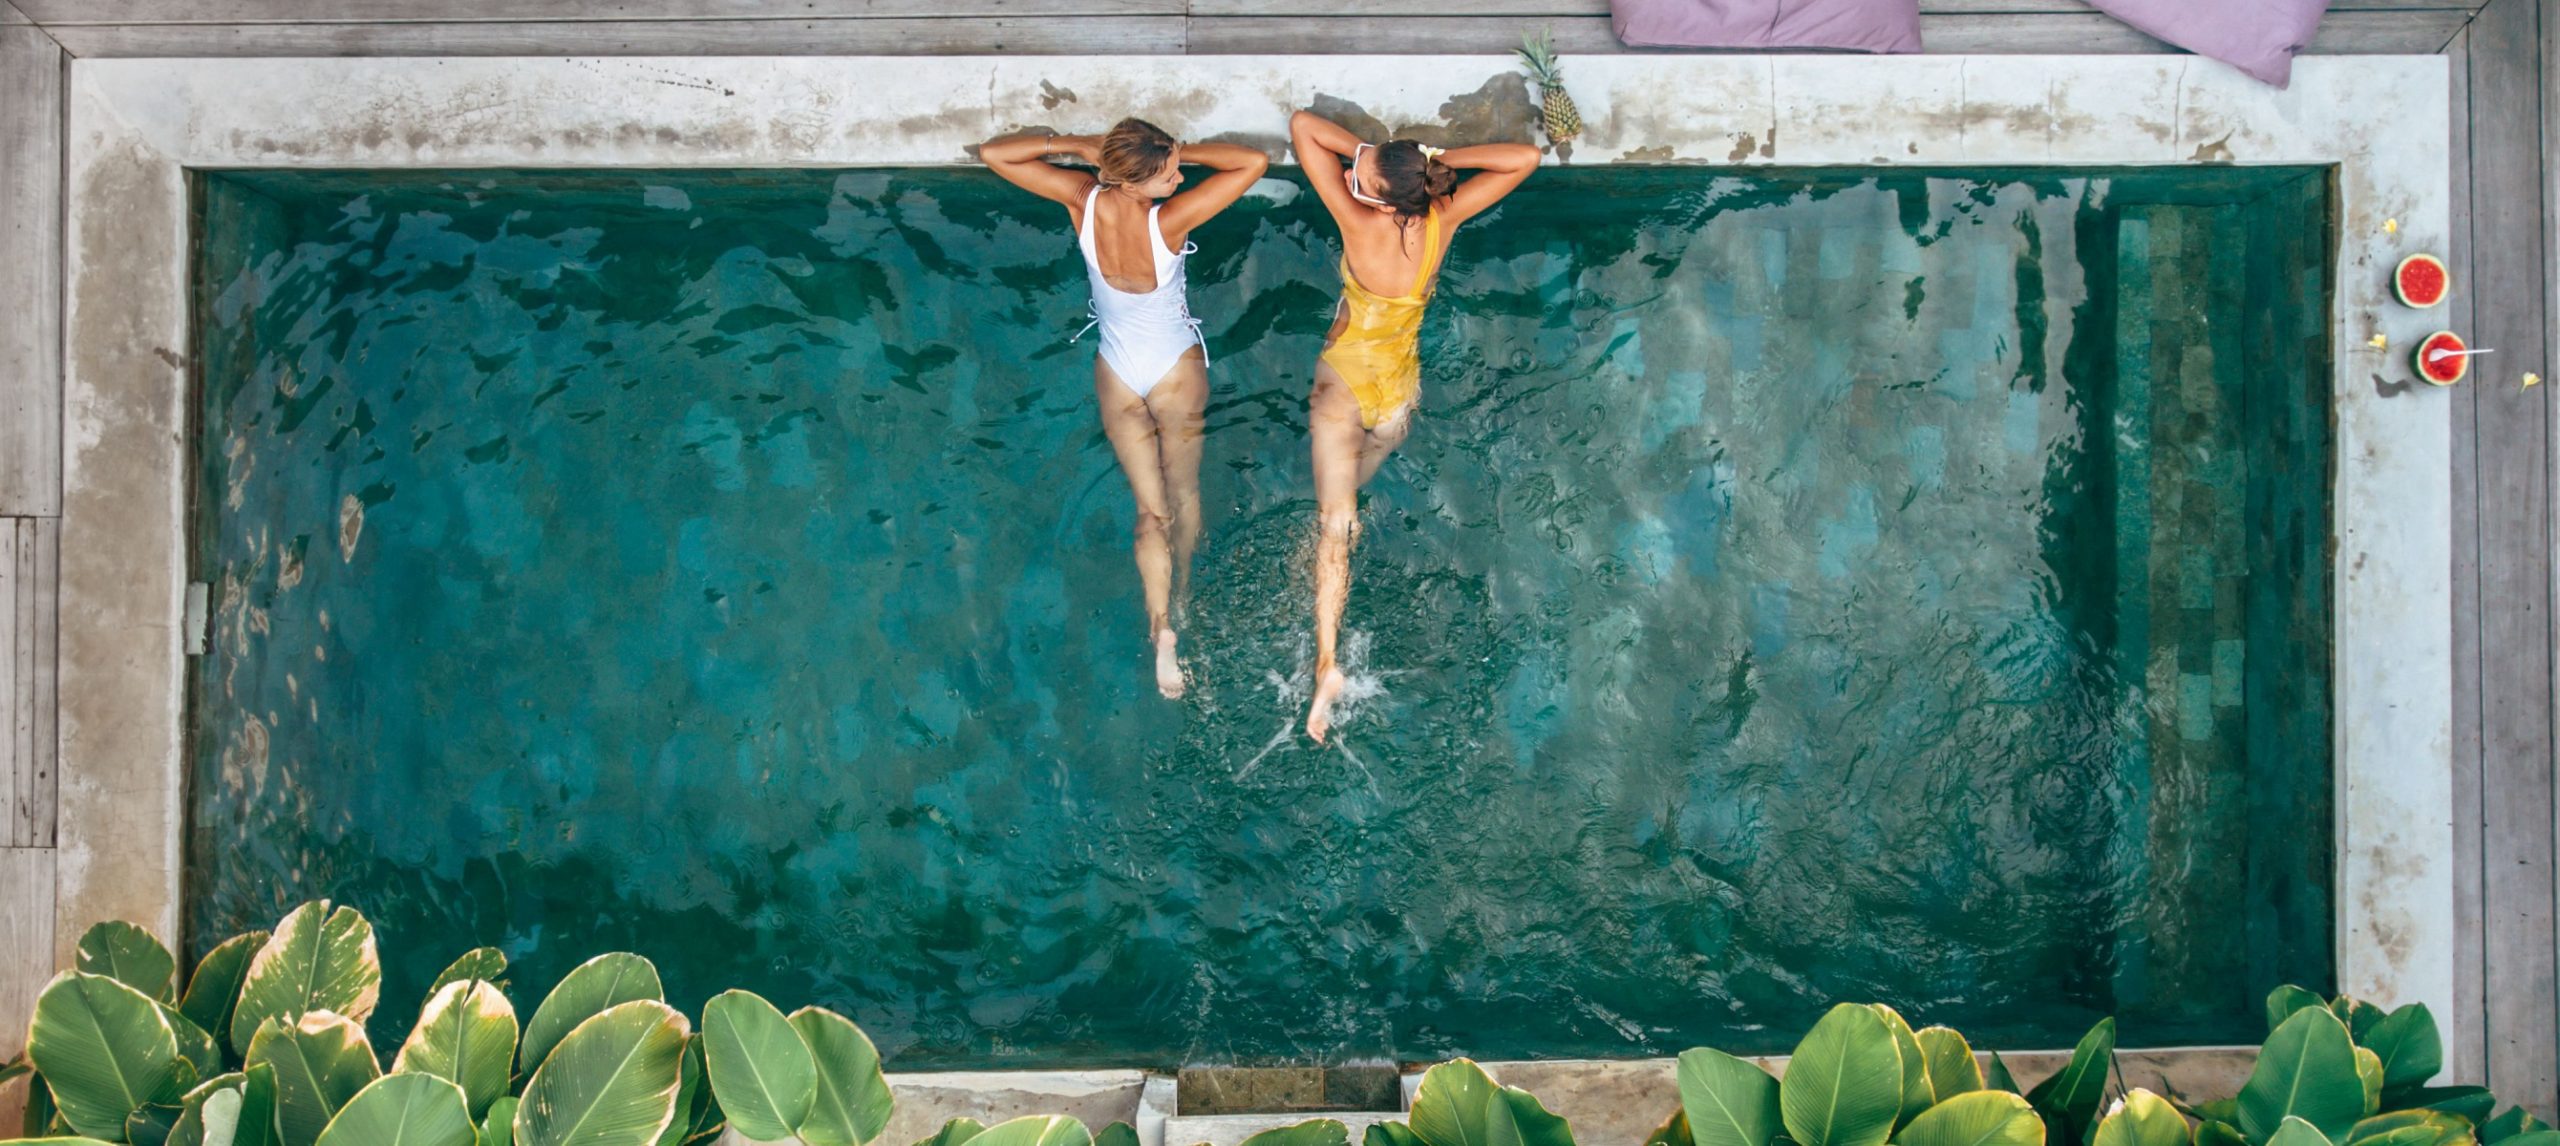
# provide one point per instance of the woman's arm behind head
(1499, 169)
(1234, 168)
(1023, 160)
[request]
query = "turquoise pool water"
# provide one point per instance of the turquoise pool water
(1802, 585)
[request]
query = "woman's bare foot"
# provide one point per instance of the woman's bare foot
(1168, 667)
(1320, 712)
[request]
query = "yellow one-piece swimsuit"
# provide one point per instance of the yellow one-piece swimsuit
(1379, 352)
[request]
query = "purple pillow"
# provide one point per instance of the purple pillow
(1857, 25)
(2256, 36)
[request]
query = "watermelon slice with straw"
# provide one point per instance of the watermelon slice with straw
(2446, 368)
(2421, 281)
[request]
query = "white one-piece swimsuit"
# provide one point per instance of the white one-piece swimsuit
(1143, 335)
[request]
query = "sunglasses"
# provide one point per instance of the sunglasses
(1354, 181)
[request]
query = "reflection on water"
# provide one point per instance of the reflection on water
(1798, 587)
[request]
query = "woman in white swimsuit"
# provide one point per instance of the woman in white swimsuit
(1152, 375)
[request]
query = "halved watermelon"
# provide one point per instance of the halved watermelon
(2447, 369)
(2421, 281)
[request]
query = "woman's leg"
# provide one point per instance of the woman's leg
(1179, 401)
(1383, 440)
(1339, 441)
(1132, 430)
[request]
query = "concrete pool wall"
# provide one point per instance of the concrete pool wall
(138, 126)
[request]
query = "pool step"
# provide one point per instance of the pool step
(1231, 1129)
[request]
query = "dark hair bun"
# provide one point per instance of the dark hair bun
(1409, 181)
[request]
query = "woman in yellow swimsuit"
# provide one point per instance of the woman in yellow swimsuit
(1396, 205)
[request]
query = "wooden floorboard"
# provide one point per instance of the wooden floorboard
(26, 960)
(2512, 430)
(70, 12)
(28, 646)
(30, 273)
(866, 36)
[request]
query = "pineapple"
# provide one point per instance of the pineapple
(1563, 120)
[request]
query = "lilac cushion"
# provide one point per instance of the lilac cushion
(2256, 36)
(1857, 25)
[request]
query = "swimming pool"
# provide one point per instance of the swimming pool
(1803, 585)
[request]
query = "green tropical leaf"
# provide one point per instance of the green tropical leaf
(1916, 1092)
(189, 1129)
(1313, 1132)
(2409, 1045)
(611, 1082)
(404, 1110)
(2410, 1128)
(1123, 1134)
(851, 1102)
(1997, 1076)
(2471, 1102)
(1453, 1106)
(2143, 1119)
(1976, 1118)
(1949, 1059)
(487, 964)
(104, 1049)
(2306, 1070)
(318, 960)
(2296, 1132)
(1844, 1084)
(150, 1125)
(1674, 1131)
(2535, 1138)
(1531, 1123)
(213, 992)
(1726, 1101)
(1035, 1130)
(194, 1045)
(2223, 1110)
(691, 1088)
(764, 1072)
(320, 1061)
(256, 1124)
(499, 1128)
(590, 989)
(130, 955)
(954, 1133)
(2285, 1000)
(2369, 1073)
(1390, 1134)
(2358, 1015)
(2517, 1120)
(40, 1114)
(55, 1141)
(466, 1036)
(2072, 1096)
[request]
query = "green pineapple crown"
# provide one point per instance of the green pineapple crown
(1537, 49)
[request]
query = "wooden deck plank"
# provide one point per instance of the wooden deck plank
(9, 14)
(2344, 33)
(2432, 13)
(2466, 1060)
(28, 660)
(71, 12)
(26, 960)
(881, 36)
(2512, 427)
(30, 273)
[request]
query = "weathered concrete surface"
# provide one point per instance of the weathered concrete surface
(123, 531)
(2382, 121)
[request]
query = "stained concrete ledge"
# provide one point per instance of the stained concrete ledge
(927, 1100)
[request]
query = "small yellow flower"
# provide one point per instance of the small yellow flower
(2532, 380)
(2391, 226)
(2378, 342)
